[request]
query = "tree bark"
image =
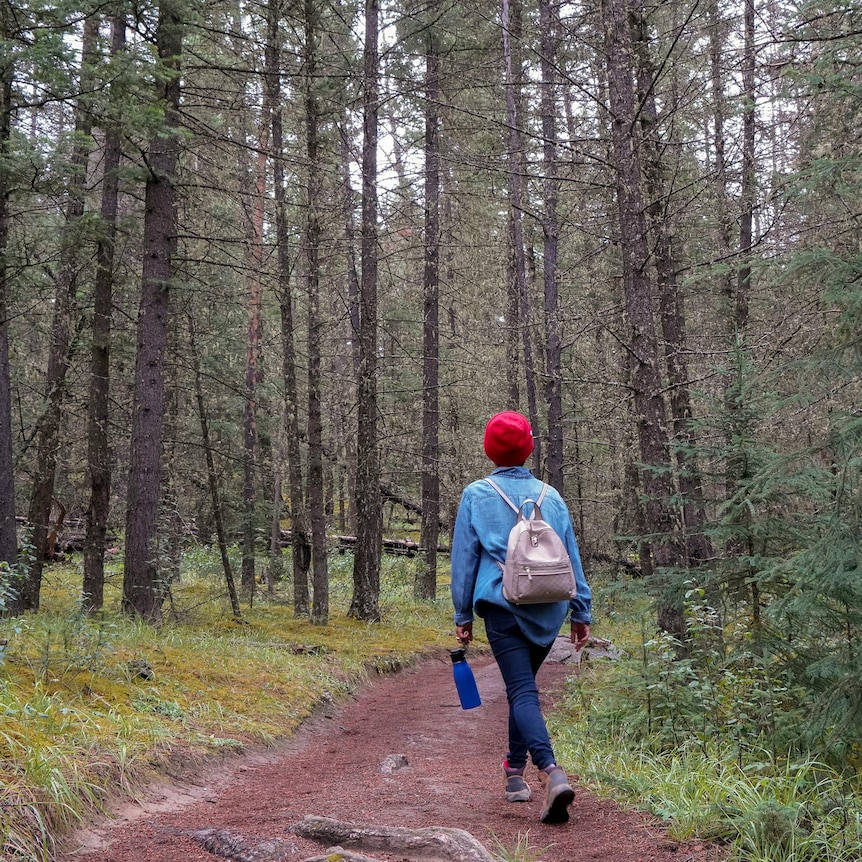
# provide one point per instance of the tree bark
(254, 220)
(513, 325)
(511, 24)
(271, 58)
(249, 489)
(352, 279)
(320, 575)
(670, 301)
(364, 604)
(301, 549)
(98, 441)
(62, 333)
(717, 42)
(275, 566)
(643, 347)
(749, 178)
(737, 466)
(551, 231)
(426, 578)
(8, 531)
(142, 590)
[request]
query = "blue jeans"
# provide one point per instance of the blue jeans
(519, 661)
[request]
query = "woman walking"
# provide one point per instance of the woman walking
(520, 635)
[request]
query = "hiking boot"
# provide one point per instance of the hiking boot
(558, 795)
(517, 790)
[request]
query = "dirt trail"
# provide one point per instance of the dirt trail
(333, 769)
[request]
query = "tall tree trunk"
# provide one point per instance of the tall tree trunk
(320, 574)
(551, 230)
(426, 579)
(516, 273)
(643, 347)
(671, 315)
(275, 566)
(62, 333)
(748, 179)
(352, 279)
(8, 532)
(737, 467)
(141, 588)
(300, 543)
(300, 532)
(717, 43)
(513, 324)
(274, 571)
(511, 25)
(352, 276)
(724, 230)
(249, 490)
(98, 414)
(365, 603)
(254, 252)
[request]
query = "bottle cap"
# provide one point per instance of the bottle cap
(459, 654)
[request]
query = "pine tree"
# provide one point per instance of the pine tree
(8, 532)
(143, 586)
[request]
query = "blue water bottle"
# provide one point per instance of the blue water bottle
(465, 682)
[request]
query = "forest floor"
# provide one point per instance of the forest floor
(341, 766)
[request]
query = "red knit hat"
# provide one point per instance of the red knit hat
(508, 439)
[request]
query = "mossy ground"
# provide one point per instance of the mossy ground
(93, 706)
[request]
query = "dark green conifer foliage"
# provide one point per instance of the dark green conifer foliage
(820, 616)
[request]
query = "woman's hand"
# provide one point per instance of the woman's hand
(464, 633)
(580, 634)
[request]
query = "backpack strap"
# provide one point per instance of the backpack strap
(500, 491)
(516, 509)
(542, 495)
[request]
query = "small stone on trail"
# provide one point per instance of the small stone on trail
(392, 763)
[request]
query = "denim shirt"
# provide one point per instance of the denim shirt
(479, 540)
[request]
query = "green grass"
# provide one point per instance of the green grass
(80, 723)
(763, 805)
(523, 850)
(792, 812)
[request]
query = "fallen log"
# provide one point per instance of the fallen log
(389, 494)
(432, 844)
(403, 547)
(238, 848)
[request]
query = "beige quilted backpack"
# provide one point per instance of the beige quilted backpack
(537, 568)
